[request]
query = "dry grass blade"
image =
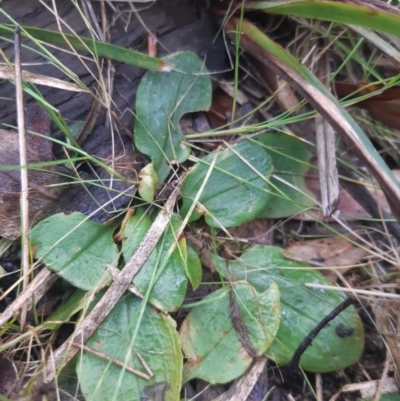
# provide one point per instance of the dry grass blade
(8, 73)
(88, 326)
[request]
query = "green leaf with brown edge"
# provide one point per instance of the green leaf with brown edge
(168, 275)
(156, 341)
(161, 101)
(237, 190)
(208, 337)
(334, 11)
(290, 159)
(337, 346)
(99, 49)
(76, 248)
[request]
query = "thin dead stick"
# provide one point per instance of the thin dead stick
(37, 288)
(114, 361)
(88, 326)
(24, 172)
(144, 363)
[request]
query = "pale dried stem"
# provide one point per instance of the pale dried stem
(24, 172)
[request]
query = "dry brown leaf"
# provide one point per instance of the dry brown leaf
(258, 231)
(326, 252)
(43, 191)
(384, 107)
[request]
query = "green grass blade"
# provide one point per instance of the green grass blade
(333, 11)
(100, 49)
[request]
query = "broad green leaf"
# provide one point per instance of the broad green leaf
(99, 49)
(148, 183)
(157, 342)
(333, 11)
(237, 189)
(194, 270)
(170, 280)
(76, 248)
(161, 100)
(337, 346)
(290, 159)
(210, 342)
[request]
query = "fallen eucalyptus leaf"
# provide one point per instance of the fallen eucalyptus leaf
(333, 252)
